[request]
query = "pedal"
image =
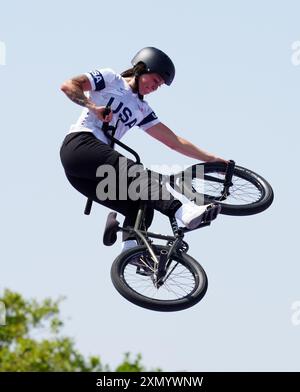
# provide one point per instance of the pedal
(203, 224)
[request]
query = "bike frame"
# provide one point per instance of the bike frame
(143, 236)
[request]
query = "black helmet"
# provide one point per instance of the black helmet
(156, 61)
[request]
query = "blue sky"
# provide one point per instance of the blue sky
(236, 94)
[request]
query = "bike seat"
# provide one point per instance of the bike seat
(111, 229)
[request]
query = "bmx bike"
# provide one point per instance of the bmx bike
(164, 277)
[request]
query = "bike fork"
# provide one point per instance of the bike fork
(228, 180)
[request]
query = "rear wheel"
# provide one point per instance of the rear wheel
(249, 193)
(134, 275)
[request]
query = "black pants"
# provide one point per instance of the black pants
(82, 154)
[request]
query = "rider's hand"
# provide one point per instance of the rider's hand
(99, 112)
(216, 159)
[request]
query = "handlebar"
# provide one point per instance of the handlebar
(106, 128)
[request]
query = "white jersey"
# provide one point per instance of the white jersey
(109, 88)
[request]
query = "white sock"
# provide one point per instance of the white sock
(128, 244)
(179, 196)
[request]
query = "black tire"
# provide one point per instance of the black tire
(250, 193)
(120, 274)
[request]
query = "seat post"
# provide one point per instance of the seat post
(140, 215)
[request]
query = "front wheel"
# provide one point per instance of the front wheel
(249, 193)
(134, 275)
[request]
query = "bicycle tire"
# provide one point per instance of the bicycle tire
(258, 184)
(121, 284)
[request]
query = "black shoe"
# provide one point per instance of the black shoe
(211, 213)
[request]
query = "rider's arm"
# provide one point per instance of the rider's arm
(74, 89)
(165, 135)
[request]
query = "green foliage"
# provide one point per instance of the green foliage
(128, 366)
(133, 366)
(21, 350)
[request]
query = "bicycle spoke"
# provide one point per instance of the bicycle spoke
(242, 192)
(178, 283)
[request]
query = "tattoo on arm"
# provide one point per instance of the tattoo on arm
(75, 91)
(76, 95)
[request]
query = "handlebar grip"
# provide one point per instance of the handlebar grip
(230, 167)
(105, 124)
(107, 111)
(88, 207)
(229, 173)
